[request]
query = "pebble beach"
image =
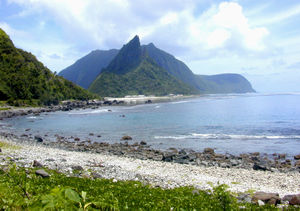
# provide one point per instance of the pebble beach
(155, 173)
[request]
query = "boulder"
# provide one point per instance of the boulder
(77, 168)
(168, 157)
(96, 175)
(143, 143)
(37, 164)
(267, 198)
(126, 138)
(42, 173)
(292, 199)
(38, 138)
(209, 151)
(297, 157)
(262, 165)
(297, 163)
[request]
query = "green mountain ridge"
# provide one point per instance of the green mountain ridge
(222, 83)
(23, 78)
(133, 72)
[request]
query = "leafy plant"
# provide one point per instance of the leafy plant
(22, 189)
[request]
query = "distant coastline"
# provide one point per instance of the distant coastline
(141, 99)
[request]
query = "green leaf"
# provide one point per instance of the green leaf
(83, 195)
(72, 195)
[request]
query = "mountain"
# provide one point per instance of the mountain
(223, 83)
(84, 71)
(133, 72)
(174, 66)
(25, 80)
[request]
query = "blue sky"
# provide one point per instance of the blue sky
(259, 39)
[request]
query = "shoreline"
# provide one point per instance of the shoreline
(141, 99)
(69, 105)
(155, 173)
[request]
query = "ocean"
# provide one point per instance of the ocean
(231, 123)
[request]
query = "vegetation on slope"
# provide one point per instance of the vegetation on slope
(223, 83)
(25, 80)
(22, 189)
(174, 66)
(147, 79)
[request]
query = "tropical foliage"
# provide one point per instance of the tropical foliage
(25, 80)
(22, 189)
(147, 79)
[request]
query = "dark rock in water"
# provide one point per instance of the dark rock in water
(78, 168)
(37, 164)
(209, 151)
(148, 101)
(91, 134)
(143, 143)
(262, 165)
(126, 138)
(27, 129)
(297, 157)
(42, 173)
(38, 138)
(297, 163)
(281, 156)
(98, 136)
(267, 198)
(168, 157)
(77, 139)
(292, 199)
(183, 152)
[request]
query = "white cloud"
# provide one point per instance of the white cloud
(173, 26)
(280, 16)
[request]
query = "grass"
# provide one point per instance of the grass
(22, 189)
(5, 145)
(4, 109)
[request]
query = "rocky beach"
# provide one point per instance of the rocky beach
(130, 160)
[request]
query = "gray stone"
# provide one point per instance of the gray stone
(77, 168)
(126, 138)
(292, 199)
(262, 165)
(297, 157)
(267, 198)
(209, 151)
(234, 162)
(37, 164)
(42, 173)
(96, 175)
(243, 197)
(38, 138)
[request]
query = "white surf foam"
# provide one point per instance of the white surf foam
(226, 136)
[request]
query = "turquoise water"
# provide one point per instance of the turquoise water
(228, 123)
